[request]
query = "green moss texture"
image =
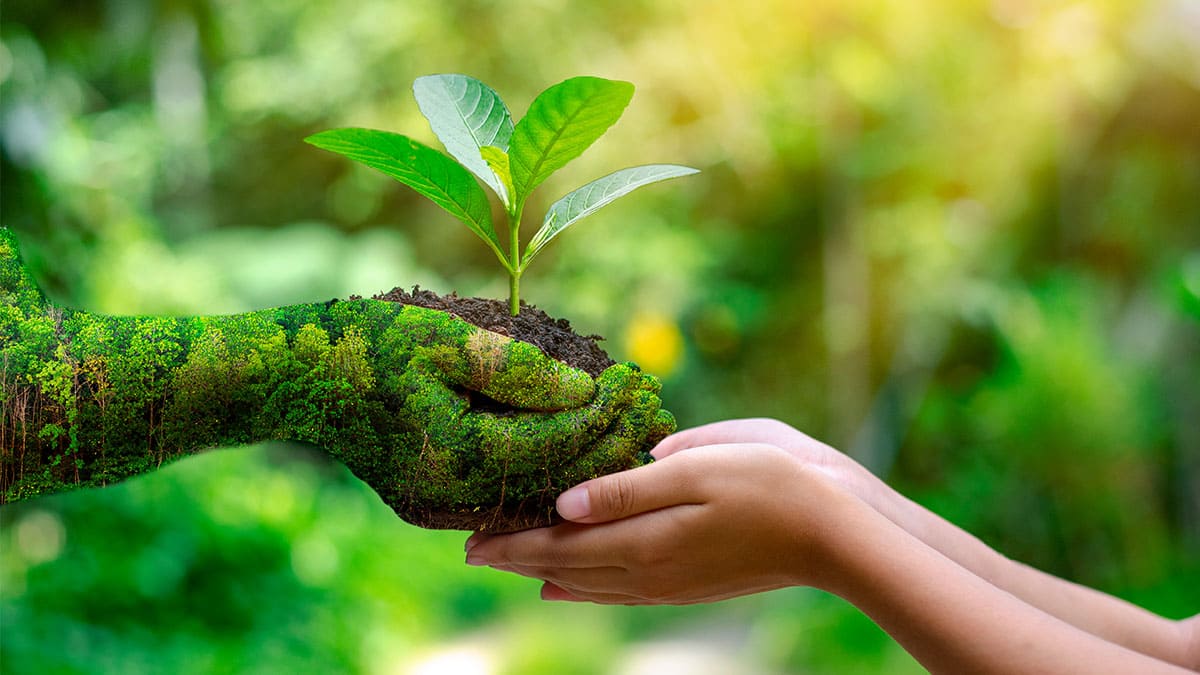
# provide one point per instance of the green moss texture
(453, 426)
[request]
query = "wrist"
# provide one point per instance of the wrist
(870, 489)
(907, 516)
(830, 543)
(862, 550)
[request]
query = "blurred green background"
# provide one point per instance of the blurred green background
(958, 240)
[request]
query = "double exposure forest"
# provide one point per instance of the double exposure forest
(93, 399)
(959, 241)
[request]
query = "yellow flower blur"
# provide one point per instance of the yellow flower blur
(654, 342)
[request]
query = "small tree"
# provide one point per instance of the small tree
(474, 125)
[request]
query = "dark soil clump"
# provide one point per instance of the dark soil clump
(553, 336)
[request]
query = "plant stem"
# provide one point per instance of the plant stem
(514, 273)
(514, 293)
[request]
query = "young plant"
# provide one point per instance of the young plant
(475, 127)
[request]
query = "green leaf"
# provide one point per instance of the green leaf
(588, 199)
(561, 123)
(497, 160)
(466, 115)
(420, 167)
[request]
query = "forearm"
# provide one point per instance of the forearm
(953, 620)
(93, 399)
(1102, 615)
(1097, 613)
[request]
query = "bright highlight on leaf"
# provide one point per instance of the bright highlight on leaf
(475, 127)
(497, 159)
(466, 115)
(588, 199)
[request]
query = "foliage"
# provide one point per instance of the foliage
(955, 238)
(293, 519)
(475, 127)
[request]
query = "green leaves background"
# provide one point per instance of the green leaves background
(864, 194)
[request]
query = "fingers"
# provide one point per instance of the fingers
(514, 373)
(561, 546)
(521, 375)
(573, 546)
(672, 491)
(663, 532)
(754, 430)
(523, 460)
(667, 482)
(625, 386)
(555, 592)
(552, 592)
(628, 493)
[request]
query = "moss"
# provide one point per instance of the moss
(452, 425)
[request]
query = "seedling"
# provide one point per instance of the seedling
(475, 127)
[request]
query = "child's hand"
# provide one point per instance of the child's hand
(840, 468)
(702, 524)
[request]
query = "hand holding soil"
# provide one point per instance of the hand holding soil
(453, 425)
(700, 525)
(746, 506)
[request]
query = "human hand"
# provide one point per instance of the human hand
(822, 457)
(700, 525)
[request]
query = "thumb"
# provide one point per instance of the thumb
(525, 377)
(628, 493)
(515, 373)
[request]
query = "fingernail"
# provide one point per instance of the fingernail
(476, 560)
(574, 504)
(471, 542)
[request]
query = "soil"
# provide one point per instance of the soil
(553, 336)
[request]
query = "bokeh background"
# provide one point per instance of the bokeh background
(959, 240)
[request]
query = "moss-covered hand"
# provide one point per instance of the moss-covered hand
(454, 426)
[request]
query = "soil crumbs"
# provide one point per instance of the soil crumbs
(553, 336)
